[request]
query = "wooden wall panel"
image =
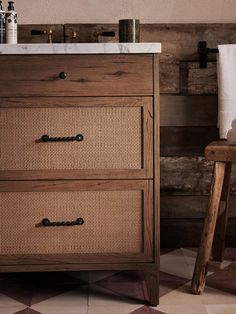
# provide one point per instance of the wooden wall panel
(189, 206)
(186, 232)
(169, 72)
(197, 81)
(86, 33)
(185, 175)
(179, 40)
(24, 33)
(182, 110)
(189, 176)
(186, 141)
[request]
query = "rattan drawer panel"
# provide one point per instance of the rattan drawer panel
(86, 75)
(113, 138)
(113, 222)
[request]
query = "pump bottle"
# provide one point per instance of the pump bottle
(11, 24)
(2, 24)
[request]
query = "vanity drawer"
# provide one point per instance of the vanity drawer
(115, 134)
(116, 218)
(78, 75)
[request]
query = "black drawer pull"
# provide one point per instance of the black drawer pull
(78, 138)
(62, 75)
(47, 223)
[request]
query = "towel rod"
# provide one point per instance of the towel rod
(203, 52)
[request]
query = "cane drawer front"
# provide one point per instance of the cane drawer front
(76, 75)
(116, 215)
(114, 138)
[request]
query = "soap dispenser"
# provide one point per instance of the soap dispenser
(2, 24)
(11, 24)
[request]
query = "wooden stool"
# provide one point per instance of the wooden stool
(214, 230)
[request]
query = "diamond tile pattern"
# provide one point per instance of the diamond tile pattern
(122, 292)
(225, 280)
(30, 289)
(128, 284)
(169, 283)
(146, 310)
(27, 311)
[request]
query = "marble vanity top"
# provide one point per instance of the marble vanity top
(80, 48)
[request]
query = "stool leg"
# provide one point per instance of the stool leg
(221, 225)
(200, 271)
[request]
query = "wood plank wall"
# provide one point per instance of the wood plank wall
(188, 117)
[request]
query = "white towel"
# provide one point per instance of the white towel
(227, 91)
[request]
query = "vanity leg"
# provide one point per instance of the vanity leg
(152, 283)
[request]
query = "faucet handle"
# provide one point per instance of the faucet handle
(43, 32)
(108, 34)
(105, 34)
(72, 36)
(38, 32)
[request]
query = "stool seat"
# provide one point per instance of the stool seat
(215, 223)
(221, 151)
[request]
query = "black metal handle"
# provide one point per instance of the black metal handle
(38, 32)
(108, 34)
(62, 75)
(47, 223)
(78, 138)
(203, 51)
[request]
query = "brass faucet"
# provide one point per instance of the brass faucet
(71, 36)
(49, 33)
(74, 35)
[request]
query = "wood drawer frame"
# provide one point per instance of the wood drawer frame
(146, 105)
(146, 186)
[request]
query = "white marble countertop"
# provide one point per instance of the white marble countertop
(80, 48)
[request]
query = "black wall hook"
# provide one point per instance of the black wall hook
(203, 52)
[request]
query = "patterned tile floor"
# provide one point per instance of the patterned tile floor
(122, 292)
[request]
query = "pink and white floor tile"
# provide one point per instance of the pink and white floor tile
(122, 292)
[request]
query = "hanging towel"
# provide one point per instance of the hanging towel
(227, 92)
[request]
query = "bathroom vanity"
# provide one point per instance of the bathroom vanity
(79, 158)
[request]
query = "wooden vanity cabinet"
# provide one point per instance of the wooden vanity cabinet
(79, 164)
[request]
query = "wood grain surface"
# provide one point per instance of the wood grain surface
(182, 110)
(86, 75)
